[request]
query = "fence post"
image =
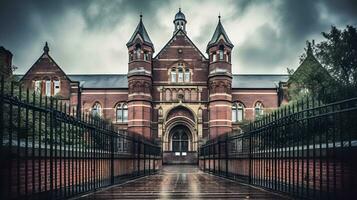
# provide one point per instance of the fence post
(250, 154)
(112, 158)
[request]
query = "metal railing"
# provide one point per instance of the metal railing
(49, 151)
(306, 150)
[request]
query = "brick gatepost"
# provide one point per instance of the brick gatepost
(220, 82)
(140, 50)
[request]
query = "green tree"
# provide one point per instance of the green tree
(328, 69)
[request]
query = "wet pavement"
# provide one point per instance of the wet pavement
(182, 182)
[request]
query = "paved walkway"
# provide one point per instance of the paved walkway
(182, 182)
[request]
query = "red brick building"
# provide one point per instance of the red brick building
(180, 96)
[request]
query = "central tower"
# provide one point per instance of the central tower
(180, 21)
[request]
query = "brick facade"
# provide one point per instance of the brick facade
(204, 87)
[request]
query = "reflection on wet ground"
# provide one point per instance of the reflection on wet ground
(182, 182)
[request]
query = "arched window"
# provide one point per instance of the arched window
(237, 112)
(138, 51)
(168, 95)
(227, 57)
(180, 141)
(173, 75)
(180, 75)
(187, 75)
(258, 109)
(122, 112)
(97, 110)
(221, 52)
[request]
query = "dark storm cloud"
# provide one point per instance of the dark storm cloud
(84, 28)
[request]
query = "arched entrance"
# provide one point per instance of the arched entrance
(180, 137)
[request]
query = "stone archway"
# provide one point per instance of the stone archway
(180, 129)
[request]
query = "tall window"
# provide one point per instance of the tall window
(122, 112)
(97, 110)
(180, 75)
(146, 56)
(187, 75)
(180, 141)
(138, 51)
(258, 109)
(56, 87)
(214, 57)
(38, 86)
(227, 57)
(221, 51)
(48, 87)
(237, 112)
(173, 75)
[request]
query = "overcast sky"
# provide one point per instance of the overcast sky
(90, 36)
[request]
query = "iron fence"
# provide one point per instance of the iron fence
(306, 150)
(49, 151)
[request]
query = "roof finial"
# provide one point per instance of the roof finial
(309, 48)
(219, 16)
(141, 16)
(179, 9)
(46, 49)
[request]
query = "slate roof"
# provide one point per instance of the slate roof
(140, 29)
(217, 33)
(115, 81)
(264, 81)
(109, 81)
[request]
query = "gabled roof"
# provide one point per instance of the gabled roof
(45, 56)
(309, 68)
(218, 33)
(141, 31)
(176, 33)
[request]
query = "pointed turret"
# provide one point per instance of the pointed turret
(141, 32)
(140, 49)
(219, 33)
(220, 82)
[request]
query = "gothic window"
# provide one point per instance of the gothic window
(97, 110)
(138, 51)
(227, 57)
(180, 75)
(258, 110)
(48, 87)
(131, 57)
(180, 142)
(173, 75)
(221, 52)
(187, 75)
(56, 87)
(237, 112)
(122, 112)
